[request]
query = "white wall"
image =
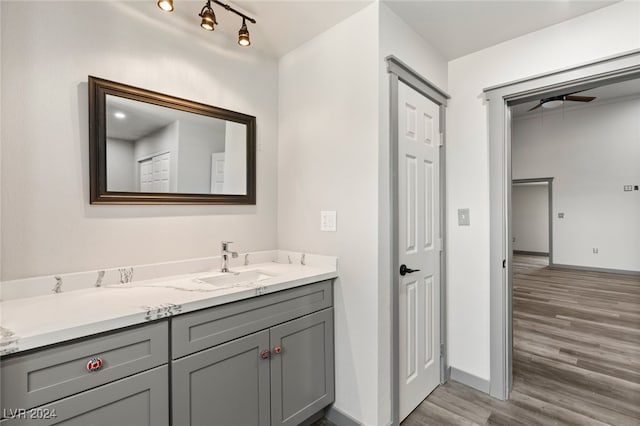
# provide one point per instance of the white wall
(121, 165)
(602, 33)
(48, 225)
(530, 217)
(328, 160)
(398, 39)
(235, 158)
(592, 151)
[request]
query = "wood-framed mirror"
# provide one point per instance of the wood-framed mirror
(149, 148)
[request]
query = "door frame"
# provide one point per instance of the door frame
(549, 181)
(399, 71)
(613, 69)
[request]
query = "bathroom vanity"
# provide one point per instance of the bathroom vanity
(263, 359)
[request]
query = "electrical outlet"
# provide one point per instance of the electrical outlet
(328, 221)
(628, 188)
(560, 215)
(595, 250)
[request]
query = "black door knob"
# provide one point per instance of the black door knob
(404, 270)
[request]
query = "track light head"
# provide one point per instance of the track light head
(243, 35)
(208, 17)
(166, 5)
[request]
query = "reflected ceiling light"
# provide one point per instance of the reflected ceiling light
(209, 21)
(166, 5)
(243, 35)
(120, 115)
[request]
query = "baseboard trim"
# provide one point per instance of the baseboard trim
(339, 418)
(531, 253)
(594, 269)
(469, 380)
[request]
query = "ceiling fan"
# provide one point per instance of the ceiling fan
(556, 101)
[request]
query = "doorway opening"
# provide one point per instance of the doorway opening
(532, 218)
(502, 99)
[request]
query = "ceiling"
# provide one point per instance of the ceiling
(457, 28)
(603, 94)
(139, 119)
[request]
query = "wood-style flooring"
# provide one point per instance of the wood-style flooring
(576, 358)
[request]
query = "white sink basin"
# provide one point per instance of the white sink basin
(231, 279)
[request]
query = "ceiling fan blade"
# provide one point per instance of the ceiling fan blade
(536, 107)
(579, 98)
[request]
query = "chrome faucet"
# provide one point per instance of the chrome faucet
(225, 256)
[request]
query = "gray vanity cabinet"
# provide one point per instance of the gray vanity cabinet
(302, 373)
(139, 400)
(54, 386)
(262, 361)
(280, 374)
(225, 385)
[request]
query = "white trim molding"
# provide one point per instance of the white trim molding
(625, 66)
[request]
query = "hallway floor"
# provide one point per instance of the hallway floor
(576, 355)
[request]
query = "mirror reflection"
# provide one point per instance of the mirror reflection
(154, 149)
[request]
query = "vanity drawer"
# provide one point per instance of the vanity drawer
(200, 330)
(50, 374)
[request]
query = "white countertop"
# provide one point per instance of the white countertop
(33, 322)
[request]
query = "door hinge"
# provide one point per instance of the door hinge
(441, 350)
(440, 244)
(440, 139)
(504, 263)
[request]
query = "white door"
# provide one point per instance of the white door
(155, 173)
(161, 172)
(419, 247)
(217, 172)
(146, 175)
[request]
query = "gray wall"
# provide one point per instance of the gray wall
(50, 158)
(591, 151)
(121, 171)
(197, 142)
(530, 217)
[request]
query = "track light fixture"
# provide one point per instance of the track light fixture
(166, 5)
(243, 35)
(209, 18)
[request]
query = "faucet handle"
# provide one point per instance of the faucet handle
(225, 244)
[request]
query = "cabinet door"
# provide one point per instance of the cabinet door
(302, 373)
(139, 400)
(225, 385)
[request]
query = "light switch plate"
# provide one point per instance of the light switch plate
(328, 221)
(463, 217)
